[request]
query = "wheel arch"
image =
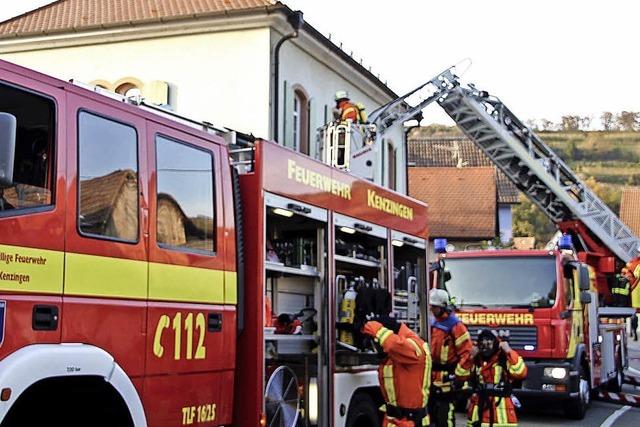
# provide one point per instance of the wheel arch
(32, 364)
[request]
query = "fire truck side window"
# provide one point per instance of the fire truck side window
(569, 271)
(33, 171)
(108, 178)
(186, 217)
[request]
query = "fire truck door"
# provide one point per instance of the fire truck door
(106, 263)
(32, 205)
(191, 322)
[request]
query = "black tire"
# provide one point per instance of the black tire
(363, 412)
(576, 408)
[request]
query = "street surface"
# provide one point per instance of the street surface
(599, 414)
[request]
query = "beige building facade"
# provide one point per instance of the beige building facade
(214, 63)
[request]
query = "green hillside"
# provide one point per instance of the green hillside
(606, 160)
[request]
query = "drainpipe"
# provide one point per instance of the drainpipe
(296, 21)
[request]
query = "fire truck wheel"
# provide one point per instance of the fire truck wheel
(576, 408)
(362, 412)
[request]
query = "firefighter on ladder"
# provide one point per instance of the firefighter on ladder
(495, 366)
(451, 352)
(404, 373)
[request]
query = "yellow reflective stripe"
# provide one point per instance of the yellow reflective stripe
(497, 374)
(230, 287)
(518, 367)
(426, 375)
(451, 416)
(462, 338)
(460, 371)
(31, 270)
(383, 334)
(415, 346)
(501, 411)
(91, 275)
(636, 272)
(387, 374)
(189, 284)
(621, 291)
(444, 354)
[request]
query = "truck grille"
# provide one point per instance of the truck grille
(519, 336)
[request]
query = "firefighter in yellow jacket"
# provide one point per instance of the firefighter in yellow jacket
(404, 374)
(495, 366)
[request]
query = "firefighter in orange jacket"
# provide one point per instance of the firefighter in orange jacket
(451, 352)
(495, 366)
(404, 374)
(347, 110)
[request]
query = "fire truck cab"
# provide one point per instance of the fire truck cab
(546, 304)
(143, 283)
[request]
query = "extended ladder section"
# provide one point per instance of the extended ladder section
(533, 167)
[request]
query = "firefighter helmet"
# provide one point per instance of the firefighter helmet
(342, 94)
(438, 297)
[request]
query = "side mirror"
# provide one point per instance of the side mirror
(585, 297)
(8, 126)
(585, 280)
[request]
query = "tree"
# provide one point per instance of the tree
(585, 122)
(547, 125)
(608, 121)
(628, 120)
(532, 124)
(570, 123)
(530, 221)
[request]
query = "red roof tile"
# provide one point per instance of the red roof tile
(66, 15)
(462, 201)
(630, 208)
(439, 151)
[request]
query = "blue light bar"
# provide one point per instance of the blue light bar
(440, 246)
(565, 242)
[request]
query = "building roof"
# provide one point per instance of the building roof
(78, 15)
(462, 201)
(448, 151)
(630, 208)
(72, 16)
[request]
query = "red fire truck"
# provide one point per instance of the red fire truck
(555, 306)
(143, 282)
(547, 305)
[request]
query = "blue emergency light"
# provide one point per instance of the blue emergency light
(565, 242)
(440, 246)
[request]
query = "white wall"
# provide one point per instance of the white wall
(222, 77)
(320, 80)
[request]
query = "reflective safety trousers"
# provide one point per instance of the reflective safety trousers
(405, 375)
(497, 411)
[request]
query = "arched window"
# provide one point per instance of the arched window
(300, 121)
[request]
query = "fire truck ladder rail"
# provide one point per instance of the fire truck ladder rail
(533, 167)
(619, 398)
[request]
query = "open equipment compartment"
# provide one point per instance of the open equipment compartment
(410, 280)
(295, 274)
(362, 287)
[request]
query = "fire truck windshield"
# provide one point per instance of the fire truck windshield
(502, 281)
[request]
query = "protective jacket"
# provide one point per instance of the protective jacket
(350, 111)
(491, 403)
(451, 352)
(404, 375)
